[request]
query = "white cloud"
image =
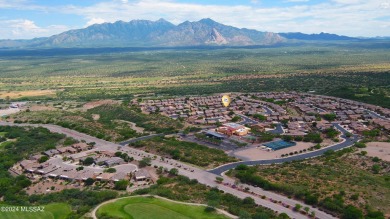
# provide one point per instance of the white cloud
(26, 29)
(95, 21)
(21, 5)
(348, 2)
(385, 5)
(346, 17)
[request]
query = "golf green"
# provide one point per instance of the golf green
(156, 208)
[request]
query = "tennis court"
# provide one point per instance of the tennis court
(277, 145)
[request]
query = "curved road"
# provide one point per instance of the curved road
(346, 143)
(203, 177)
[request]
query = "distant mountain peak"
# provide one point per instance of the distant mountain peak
(148, 33)
(321, 36)
(208, 21)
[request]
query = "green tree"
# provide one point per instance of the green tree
(330, 117)
(43, 159)
(260, 117)
(22, 181)
(110, 170)
(283, 216)
(297, 207)
(218, 179)
(260, 215)
(236, 119)
(360, 145)
(88, 161)
(375, 215)
(351, 212)
(244, 215)
(146, 161)
(89, 181)
(174, 172)
(118, 154)
(317, 146)
(376, 168)
(121, 184)
(249, 202)
(331, 132)
(287, 138)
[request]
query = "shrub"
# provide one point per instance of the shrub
(360, 145)
(121, 184)
(43, 159)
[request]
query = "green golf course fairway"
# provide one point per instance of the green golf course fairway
(156, 208)
(51, 211)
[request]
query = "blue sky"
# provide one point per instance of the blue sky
(25, 19)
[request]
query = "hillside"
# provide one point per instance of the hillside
(146, 33)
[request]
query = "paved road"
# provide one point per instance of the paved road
(204, 177)
(267, 110)
(278, 130)
(247, 120)
(124, 143)
(376, 115)
(347, 142)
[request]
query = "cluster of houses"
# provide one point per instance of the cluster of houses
(103, 158)
(209, 110)
(196, 110)
(77, 173)
(68, 172)
(206, 109)
(355, 115)
(73, 149)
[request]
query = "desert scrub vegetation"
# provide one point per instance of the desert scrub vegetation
(150, 122)
(183, 189)
(185, 151)
(338, 182)
(338, 70)
(25, 141)
(107, 126)
(78, 121)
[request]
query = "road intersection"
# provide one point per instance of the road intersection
(208, 177)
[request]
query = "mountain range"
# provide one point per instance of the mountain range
(161, 33)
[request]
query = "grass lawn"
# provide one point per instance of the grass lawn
(51, 211)
(2, 134)
(150, 207)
